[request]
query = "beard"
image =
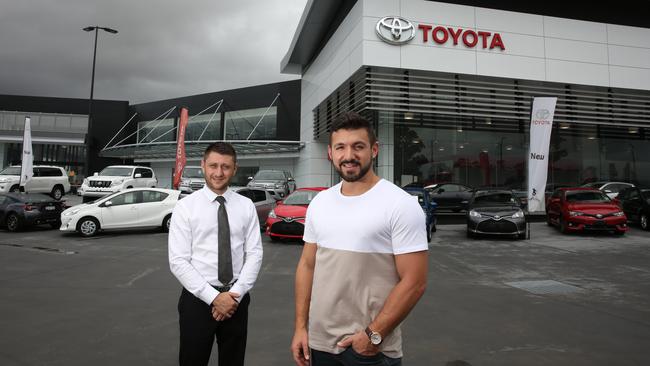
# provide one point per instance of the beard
(351, 177)
(217, 186)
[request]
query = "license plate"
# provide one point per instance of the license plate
(50, 208)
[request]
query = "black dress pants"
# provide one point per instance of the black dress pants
(198, 331)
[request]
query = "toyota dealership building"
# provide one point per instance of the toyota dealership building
(449, 88)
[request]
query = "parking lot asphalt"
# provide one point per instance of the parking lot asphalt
(550, 300)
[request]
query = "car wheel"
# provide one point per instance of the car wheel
(15, 189)
(56, 224)
(88, 226)
(13, 222)
(643, 221)
(166, 222)
(57, 193)
(428, 235)
(434, 228)
(548, 220)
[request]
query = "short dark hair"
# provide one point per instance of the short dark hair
(222, 148)
(353, 121)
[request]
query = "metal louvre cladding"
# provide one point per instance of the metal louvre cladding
(468, 101)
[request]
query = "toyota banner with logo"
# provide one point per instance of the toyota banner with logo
(180, 148)
(541, 125)
(27, 162)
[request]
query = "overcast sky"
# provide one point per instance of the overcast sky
(164, 48)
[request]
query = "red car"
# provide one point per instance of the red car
(287, 219)
(584, 209)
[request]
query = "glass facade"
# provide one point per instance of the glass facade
(210, 123)
(484, 153)
(240, 124)
(70, 157)
(156, 131)
(47, 122)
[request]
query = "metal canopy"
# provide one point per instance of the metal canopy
(195, 149)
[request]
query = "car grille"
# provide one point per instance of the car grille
(288, 228)
(99, 183)
(500, 226)
(196, 186)
(599, 225)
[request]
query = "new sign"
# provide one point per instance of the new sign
(397, 31)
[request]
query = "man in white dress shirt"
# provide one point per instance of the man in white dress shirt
(214, 300)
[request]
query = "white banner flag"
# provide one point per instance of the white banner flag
(541, 125)
(27, 164)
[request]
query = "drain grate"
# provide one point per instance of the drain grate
(545, 287)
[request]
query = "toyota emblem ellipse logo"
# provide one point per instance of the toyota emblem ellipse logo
(395, 30)
(542, 114)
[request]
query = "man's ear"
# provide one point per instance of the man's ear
(329, 152)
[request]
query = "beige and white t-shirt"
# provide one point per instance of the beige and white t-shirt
(357, 238)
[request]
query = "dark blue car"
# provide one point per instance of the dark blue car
(428, 206)
(19, 210)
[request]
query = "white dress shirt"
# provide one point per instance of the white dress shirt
(194, 248)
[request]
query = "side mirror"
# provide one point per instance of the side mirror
(138, 175)
(95, 174)
(441, 190)
(108, 204)
(249, 178)
(290, 179)
(608, 191)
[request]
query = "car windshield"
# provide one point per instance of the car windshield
(192, 173)
(12, 170)
(302, 197)
(587, 196)
(269, 175)
(498, 198)
(593, 185)
(116, 172)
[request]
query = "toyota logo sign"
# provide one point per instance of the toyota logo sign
(395, 30)
(542, 114)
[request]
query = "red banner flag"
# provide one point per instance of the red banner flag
(180, 149)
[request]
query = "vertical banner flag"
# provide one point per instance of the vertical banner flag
(27, 163)
(541, 124)
(180, 148)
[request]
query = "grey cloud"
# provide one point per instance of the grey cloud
(164, 48)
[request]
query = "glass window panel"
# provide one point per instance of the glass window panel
(197, 124)
(46, 123)
(240, 124)
(79, 124)
(156, 130)
(62, 122)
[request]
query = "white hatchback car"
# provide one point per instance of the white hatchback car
(133, 208)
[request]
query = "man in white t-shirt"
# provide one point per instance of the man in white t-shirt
(364, 263)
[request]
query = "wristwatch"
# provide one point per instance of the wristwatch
(375, 337)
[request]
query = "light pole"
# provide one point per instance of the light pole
(89, 143)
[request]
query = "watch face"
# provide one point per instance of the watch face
(375, 338)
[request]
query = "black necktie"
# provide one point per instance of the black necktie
(225, 257)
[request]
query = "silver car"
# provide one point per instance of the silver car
(279, 183)
(262, 199)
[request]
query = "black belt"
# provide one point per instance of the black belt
(223, 288)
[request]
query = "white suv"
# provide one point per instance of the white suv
(116, 178)
(192, 179)
(52, 180)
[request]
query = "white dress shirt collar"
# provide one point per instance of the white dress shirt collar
(211, 195)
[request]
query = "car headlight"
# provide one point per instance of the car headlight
(272, 214)
(185, 183)
(575, 213)
(71, 212)
(85, 182)
(475, 214)
(117, 182)
(279, 185)
(619, 213)
(4, 180)
(518, 215)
